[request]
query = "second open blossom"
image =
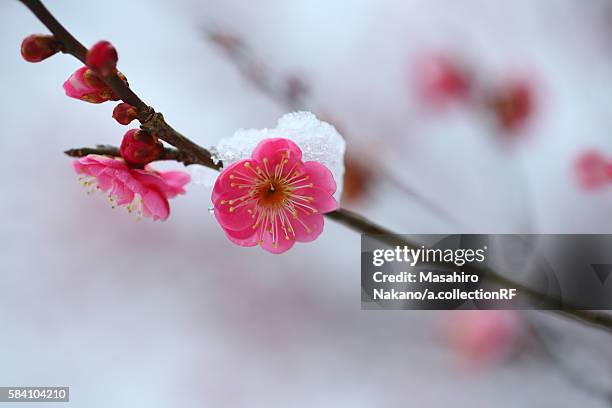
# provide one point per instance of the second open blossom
(143, 191)
(274, 199)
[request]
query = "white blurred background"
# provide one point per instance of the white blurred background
(172, 314)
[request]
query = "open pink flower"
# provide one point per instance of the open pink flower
(143, 191)
(273, 199)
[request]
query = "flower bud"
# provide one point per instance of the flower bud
(513, 105)
(38, 47)
(140, 147)
(86, 85)
(441, 78)
(102, 58)
(125, 113)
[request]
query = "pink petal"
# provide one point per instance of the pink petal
(157, 180)
(281, 246)
(155, 205)
(307, 227)
(75, 85)
(79, 167)
(238, 219)
(246, 237)
(105, 161)
(93, 164)
(128, 178)
(319, 175)
(275, 150)
(223, 184)
(105, 180)
(323, 201)
(176, 181)
(123, 194)
(149, 178)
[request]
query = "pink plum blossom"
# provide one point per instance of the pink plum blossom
(86, 85)
(144, 191)
(593, 170)
(440, 79)
(273, 199)
(484, 335)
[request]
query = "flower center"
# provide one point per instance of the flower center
(273, 193)
(276, 198)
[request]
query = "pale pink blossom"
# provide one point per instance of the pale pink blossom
(593, 170)
(145, 192)
(86, 85)
(440, 79)
(484, 335)
(273, 199)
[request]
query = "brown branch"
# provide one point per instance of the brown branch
(365, 226)
(190, 153)
(106, 150)
(150, 120)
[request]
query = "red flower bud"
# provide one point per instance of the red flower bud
(513, 105)
(102, 58)
(38, 47)
(440, 79)
(140, 147)
(125, 113)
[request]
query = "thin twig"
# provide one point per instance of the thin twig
(112, 151)
(150, 120)
(192, 153)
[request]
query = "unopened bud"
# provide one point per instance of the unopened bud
(38, 47)
(102, 57)
(140, 147)
(125, 113)
(513, 105)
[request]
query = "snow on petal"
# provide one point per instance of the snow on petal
(273, 199)
(319, 141)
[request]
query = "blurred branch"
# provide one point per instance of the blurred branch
(291, 91)
(573, 375)
(189, 152)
